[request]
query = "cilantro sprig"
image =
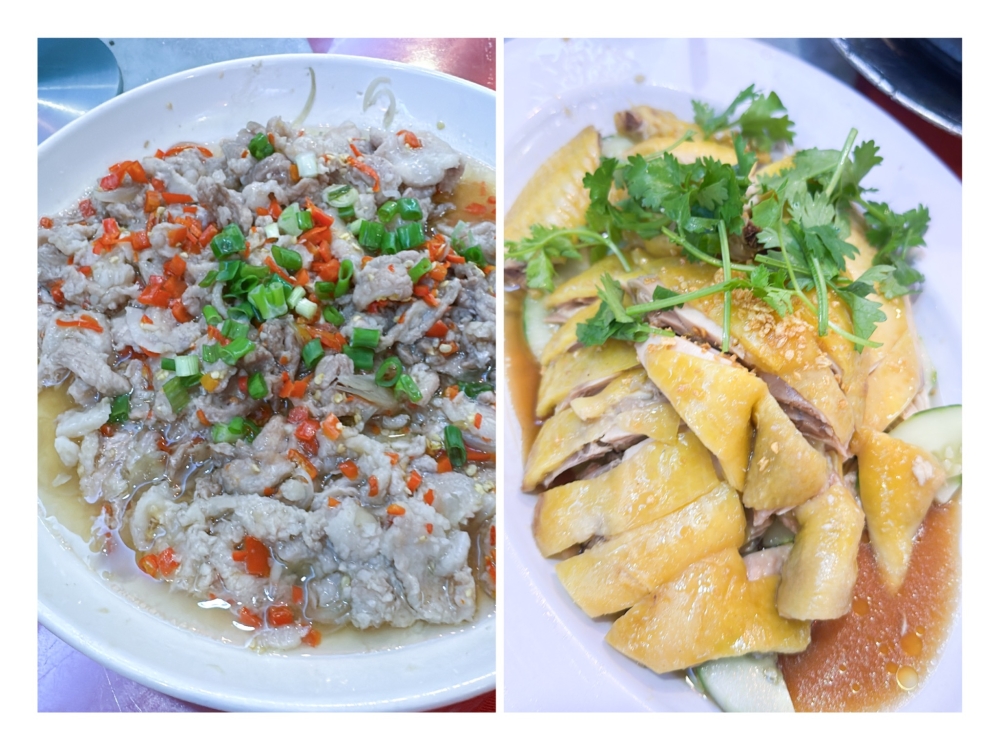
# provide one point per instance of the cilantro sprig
(800, 218)
(760, 123)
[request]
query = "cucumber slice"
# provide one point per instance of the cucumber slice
(939, 432)
(536, 331)
(746, 683)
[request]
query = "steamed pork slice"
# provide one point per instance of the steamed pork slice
(818, 579)
(582, 372)
(555, 195)
(634, 409)
(710, 611)
(784, 469)
(652, 480)
(713, 395)
(615, 574)
(897, 483)
(564, 339)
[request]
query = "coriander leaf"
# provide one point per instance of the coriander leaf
(761, 127)
(866, 314)
(613, 295)
(709, 122)
(813, 210)
(538, 252)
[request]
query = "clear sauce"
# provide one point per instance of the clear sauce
(872, 658)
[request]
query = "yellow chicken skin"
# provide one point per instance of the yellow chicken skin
(584, 285)
(711, 610)
(784, 469)
(897, 482)
(555, 196)
(818, 578)
(652, 480)
(579, 368)
(714, 397)
(615, 574)
(565, 338)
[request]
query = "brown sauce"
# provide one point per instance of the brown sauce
(875, 655)
(872, 658)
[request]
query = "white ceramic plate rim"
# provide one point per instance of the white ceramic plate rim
(555, 658)
(204, 105)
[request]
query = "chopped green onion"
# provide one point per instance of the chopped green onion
(346, 213)
(341, 196)
(312, 353)
(474, 254)
(250, 431)
(344, 277)
(235, 350)
(333, 316)
(288, 221)
(455, 446)
(176, 391)
(355, 226)
(269, 300)
(167, 363)
(187, 365)
(364, 359)
(229, 269)
(257, 272)
(210, 353)
(305, 220)
(390, 246)
(366, 337)
(410, 235)
(409, 209)
(212, 316)
(307, 164)
(306, 308)
(296, 296)
(241, 287)
(208, 280)
(387, 210)
(257, 386)
(242, 312)
(230, 240)
(120, 408)
(325, 289)
(474, 389)
(422, 266)
(371, 234)
(290, 260)
(407, 386)
(260, 147)
(388, 372)
(233, 329)
(271, 231)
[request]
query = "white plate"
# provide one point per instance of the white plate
(555, 656)
(101, 617)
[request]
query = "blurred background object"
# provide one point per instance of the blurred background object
(924, 75)
(911, 71)
(74, 76)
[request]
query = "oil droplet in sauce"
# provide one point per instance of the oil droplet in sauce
(861, 607)
(874, 644)
(911, 643)
(906, 678)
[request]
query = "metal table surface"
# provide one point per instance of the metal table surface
(67, 679)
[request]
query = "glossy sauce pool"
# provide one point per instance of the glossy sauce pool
(875, 656)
